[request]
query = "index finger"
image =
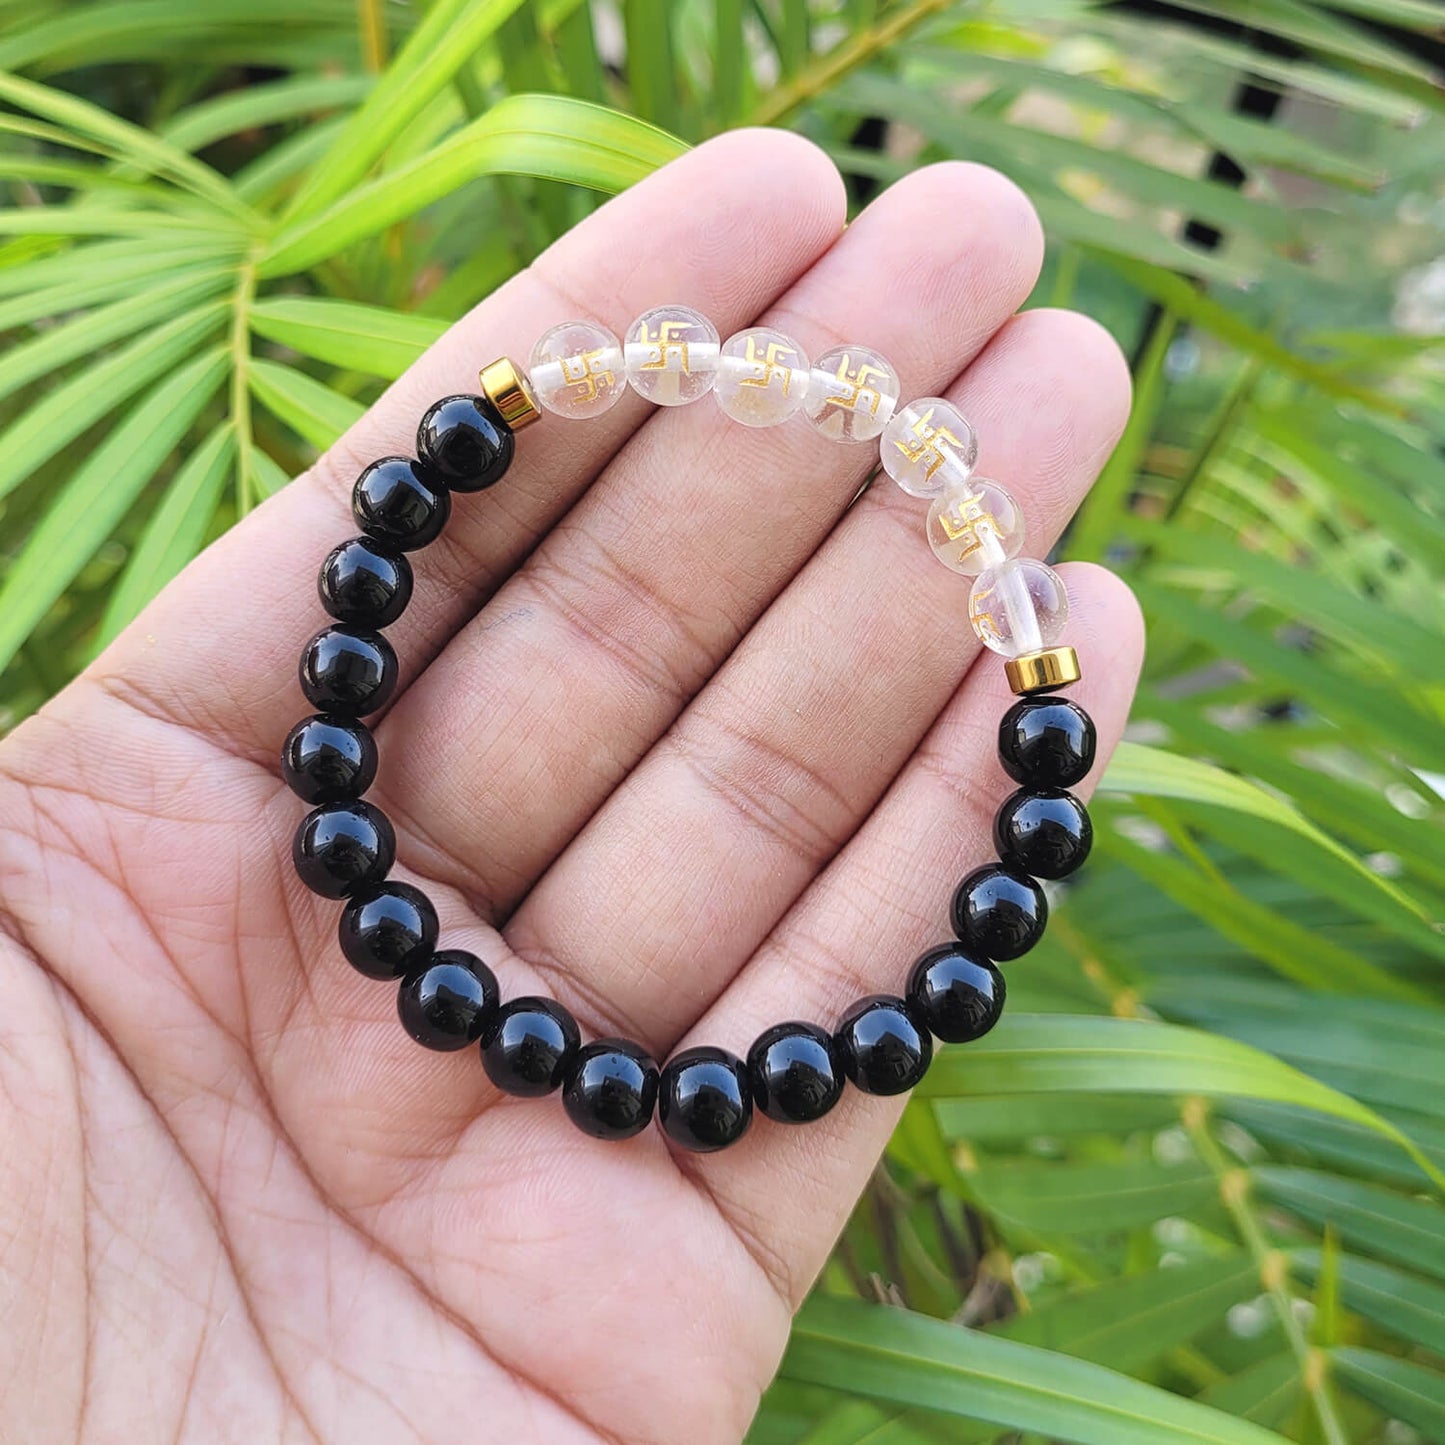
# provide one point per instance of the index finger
(724, 228)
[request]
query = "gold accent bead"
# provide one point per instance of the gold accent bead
(1045, 671)
(507, 388)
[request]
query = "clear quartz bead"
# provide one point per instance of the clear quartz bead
(762, 377)
(672, 355)
(929, 446)
(1019, 607)
(852, 394)
(577, 369)
(975, 525)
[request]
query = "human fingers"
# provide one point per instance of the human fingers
(695, 858)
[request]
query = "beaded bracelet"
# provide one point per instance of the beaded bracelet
(704, 1097)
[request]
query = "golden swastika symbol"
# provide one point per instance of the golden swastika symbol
(966, 519)
(926, 443)
(770, 364)
(585, 371)
(980, 612)
(666, 341)
(857, 395)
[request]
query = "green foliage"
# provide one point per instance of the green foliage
(1190, 1189)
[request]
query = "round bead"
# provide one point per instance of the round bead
(975, 525)
(1019, 607)
(928, 447)
(341, 848)
(1047, 742)
(388, 931)
(793, 1072)
(883, 1048)
(348, 670)
(328, 759)
(577, 370)
(394, 501)
(465, 442)
(1044, 832)
(672, 355)
(704, 1102)
(364, 583)
(958, 996)
(447, 1004)
(852, 394)
(999, 912)
(529, 1046)
(762, 377)
(611, 1089)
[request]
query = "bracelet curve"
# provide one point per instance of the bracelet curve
(704, 1098)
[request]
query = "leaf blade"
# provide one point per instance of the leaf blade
(173, 534)
(86, 510)
(907, 1359)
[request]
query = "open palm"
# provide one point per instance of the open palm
(687, 737)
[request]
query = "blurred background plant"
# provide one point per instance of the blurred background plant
(1190, 1189)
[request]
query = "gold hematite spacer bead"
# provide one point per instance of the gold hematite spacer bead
(1045, 671)
(509, 391)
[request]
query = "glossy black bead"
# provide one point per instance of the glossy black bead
(388, 931)
(448, 1004)
(959, 996)
(395, 501)
(1044, 832)
(348, 670)
(882, 1047)
(794, 1073)
(464, 441)
(364, 583)
(611, 1089)
(704, 1102)
(1046, 742)
(999, 912)
(341, 848)
(328, 759)
(529, 1046)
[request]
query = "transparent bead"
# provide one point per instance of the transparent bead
(975, 525)
(672, 355)
(577, 369)
(852, 394)
(928, 446)
(1019, 607)
(762, 377)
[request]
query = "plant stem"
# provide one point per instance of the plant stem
(826, 71)
(241, 382)
(1234, 1186)
(1237, 400)
(372, 25)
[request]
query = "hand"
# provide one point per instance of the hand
(684, 740)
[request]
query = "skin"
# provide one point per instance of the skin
(688, 739)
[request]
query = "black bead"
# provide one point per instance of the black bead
(529, 1045)
(1044, 832)
(611, 1089)
(365, 583)
(704, 1102)
(388, 931)
(464, 441)
(960, 997)
(794, 1072)
(882, 1047)
(396, 502)
(999, 912)
(328, 759)
(447, 1004)
(348, 670)
(343, 847)
(1046, 742)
